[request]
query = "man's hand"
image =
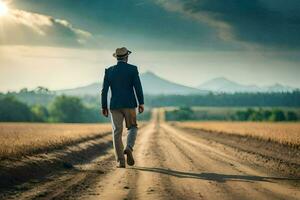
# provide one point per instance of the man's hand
(141, 108)
(105, 112)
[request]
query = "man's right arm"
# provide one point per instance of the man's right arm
(104, 91)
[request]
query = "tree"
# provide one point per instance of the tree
(291, 116)
(12, 110)
(40, 113)
(24, 90)
(257, 115)
(181, 114)
(42, 90)
(277, 115)
(241, 116)
(266, 114)
(92, 115)
(67, 109)
(250, 112)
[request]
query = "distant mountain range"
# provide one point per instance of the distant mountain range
(224, 85)
(155, 85)
(152, 85)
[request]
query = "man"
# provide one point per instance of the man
(126, 89)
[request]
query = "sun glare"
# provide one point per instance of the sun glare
(3, 8)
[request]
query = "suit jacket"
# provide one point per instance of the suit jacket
(124, 81)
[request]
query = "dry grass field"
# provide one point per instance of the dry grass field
(18, 139)
(284, 133)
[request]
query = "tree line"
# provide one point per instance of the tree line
(250, 114)
(290, 99)
(43, 105)
(63, 109)
(274, 115)
(66, 109)
(44, 96)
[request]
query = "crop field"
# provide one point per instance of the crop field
(283, 132)
(18, 139)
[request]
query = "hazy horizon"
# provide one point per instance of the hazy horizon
(63, 44)
(147, 71)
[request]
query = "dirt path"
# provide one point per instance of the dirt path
(173, 164)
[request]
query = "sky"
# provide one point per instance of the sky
(68, 43)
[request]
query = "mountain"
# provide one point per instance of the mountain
(222, 84)
(279, 88)
(91, 89)
(155, 85)
(152, 85)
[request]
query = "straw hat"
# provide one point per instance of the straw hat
(121, 52)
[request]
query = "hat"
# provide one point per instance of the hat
(121, 52)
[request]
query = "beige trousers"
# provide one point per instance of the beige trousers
(117, 119)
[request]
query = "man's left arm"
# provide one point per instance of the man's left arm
(139, 90)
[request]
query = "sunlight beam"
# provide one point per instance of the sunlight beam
(3, 9)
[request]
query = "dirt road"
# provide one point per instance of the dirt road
(170, 164)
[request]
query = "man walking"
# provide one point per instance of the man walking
(126, 89)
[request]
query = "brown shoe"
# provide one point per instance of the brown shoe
(130, 159)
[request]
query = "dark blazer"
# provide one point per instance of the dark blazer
(122, 79)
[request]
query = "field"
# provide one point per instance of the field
(19, 139)
(173, 160)
(283, 133)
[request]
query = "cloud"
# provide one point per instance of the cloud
(26, 28)
(255, 23)
(134, 23)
